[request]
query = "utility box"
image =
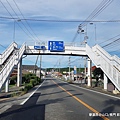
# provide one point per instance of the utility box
(110, 87)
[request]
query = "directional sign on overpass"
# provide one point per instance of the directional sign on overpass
(56, 46)
(39, 47)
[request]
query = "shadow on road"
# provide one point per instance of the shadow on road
(28, 111)
(109, 110)
(34, 112)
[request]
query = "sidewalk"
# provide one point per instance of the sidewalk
(13, 91)
(98, 89)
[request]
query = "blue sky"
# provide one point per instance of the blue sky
(45, 31)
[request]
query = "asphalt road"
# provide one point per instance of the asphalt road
(57, 100)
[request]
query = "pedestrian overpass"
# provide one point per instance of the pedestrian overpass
(12, 57)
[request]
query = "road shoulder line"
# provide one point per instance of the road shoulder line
(22, 103)
(93, 91)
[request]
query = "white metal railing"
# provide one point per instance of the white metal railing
(11, 63)
(74, 44)
(109, 64)
(45, 43)
(22, 50)
(7, 52)
(92, 55)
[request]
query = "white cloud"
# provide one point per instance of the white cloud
(47, 38)
(67, 9)
(70, 30)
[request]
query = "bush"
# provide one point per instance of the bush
(28, 87)
(13, 80)
(30, 81)
(26, 78)
(33, 82)
(33, 77)
(39, 80)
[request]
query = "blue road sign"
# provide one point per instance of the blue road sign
(56, 46)
(39, 47)
(75, 72)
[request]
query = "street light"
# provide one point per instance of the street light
(80, 30)
(95, 31)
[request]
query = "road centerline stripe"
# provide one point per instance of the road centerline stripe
(80, 101)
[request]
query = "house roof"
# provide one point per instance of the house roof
(29, 67)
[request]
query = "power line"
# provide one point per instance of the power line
(94, 14)
(59, 21)
(14, 19)
(115, 51)
(74, 37)
(113, 43)
(24, 18)
(97, 11)
(20, 19)
(109, 39)
(3, 46)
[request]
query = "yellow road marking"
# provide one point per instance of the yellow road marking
(80, 101)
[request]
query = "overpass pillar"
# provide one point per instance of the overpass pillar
(7, 86)
(19, 74)
(105, 81)
(89, 72)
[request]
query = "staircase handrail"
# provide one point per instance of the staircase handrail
(21, 50)
(92, 55)
(12, 62)
(7, 52)
(115, 59)
(105, 61)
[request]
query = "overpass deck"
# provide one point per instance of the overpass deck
(69, 50)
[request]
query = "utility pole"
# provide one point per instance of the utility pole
(69, 67)
(40, 65)
(59, 66)
(85, 67)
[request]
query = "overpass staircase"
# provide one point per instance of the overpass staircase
(110, 65)
(8, 61)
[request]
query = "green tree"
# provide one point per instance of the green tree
(13, 80)
(98, 73)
